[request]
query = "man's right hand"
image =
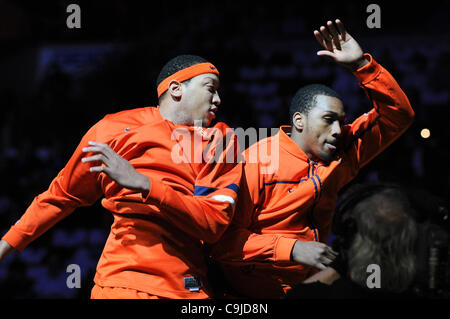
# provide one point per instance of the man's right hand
(116, 167)
(340, 46)
(5, 249)
(313, 253)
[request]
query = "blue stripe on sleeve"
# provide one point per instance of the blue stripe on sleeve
(203, 190)
(233, 187)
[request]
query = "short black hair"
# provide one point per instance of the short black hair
(176, 64)
(304, 99)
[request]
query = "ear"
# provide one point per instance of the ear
(298, 121)
(175, 90)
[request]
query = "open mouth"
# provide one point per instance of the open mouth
(331, 147)
(212, 111)
(212, 114)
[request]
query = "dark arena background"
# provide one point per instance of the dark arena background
(58, 81)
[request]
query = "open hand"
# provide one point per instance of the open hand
(116, 167)
(340, 46)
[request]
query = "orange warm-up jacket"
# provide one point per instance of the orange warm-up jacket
(296, 200)
(157, 241)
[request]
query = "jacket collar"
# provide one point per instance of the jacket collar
(288, 144)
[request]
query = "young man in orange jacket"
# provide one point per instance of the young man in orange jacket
(167, 199)
(285, 207)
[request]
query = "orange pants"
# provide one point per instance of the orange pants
(99, 292)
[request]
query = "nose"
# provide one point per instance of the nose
(336, 129)
(216, 99)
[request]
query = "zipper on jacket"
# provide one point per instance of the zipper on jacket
(317, 190)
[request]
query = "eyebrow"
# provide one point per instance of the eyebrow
(215, 81)
(335, 114)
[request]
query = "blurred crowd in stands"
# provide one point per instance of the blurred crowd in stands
(264, 53)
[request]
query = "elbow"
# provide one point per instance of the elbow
(217, 226)
(412, 115)
(407, 115)
(214, 235)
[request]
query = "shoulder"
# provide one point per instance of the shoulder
(116, 123)
(263, 144)
(131, 116)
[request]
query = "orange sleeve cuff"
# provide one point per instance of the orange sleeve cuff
(283, 249)
(157, 191)
(368, 72)
(15, 239)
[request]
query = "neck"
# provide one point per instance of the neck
(297, 137)
(166, 112)
(171, 112)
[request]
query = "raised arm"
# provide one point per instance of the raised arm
(392, 113)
